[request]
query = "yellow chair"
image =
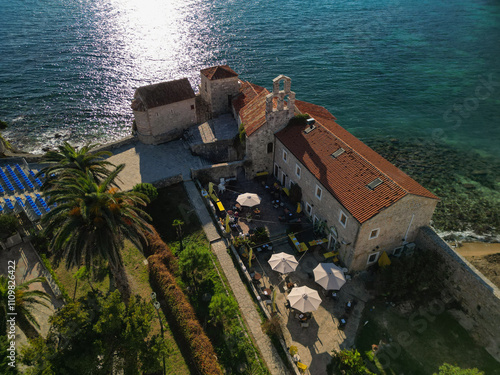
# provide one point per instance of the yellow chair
(301, 366)
(329, 255)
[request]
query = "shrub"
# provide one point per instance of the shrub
(3, 125)
(222, 309)
(260, 236)
(183, 316)
(47, 264)
(447, 369)
(8, 224)
(348, 362)
(147, 189)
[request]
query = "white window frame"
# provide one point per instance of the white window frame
(400, 249)
(372, 254)
(309, 209)
(276, 171)
(297, 168)
(315, 219)
(285, 156)
(340, 218)
(290, 182)
(320, 192)
(370, 237)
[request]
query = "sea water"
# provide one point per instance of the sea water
(389, 68)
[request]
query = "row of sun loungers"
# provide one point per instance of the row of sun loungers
(34, 208)
(10, 179)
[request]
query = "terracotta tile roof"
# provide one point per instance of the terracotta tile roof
(253, 114)
(347, 176)
(248, 91)
(163, 93)
(219, 72)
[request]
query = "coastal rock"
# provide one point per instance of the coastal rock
(57, 136)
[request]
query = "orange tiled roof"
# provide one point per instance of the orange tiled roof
(248, 91)
(347, 176)
(219, 72)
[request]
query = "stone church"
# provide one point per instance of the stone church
(366, 205)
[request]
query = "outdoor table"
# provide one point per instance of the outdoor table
(257, 276)
(267, 292)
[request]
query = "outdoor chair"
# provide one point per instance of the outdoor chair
(301, 367)
(304, 325)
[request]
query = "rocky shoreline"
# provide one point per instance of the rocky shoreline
(466, 182)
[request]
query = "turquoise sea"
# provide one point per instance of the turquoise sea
(390, 68)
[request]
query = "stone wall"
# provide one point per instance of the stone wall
(479, 298)
(167, 181)
(354, 239)
(165, 123)
(217, 171)
(216, 92)
(397, 225)
(216, 152)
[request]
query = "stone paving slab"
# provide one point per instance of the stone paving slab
(245, 302)
(201, 211)
(151, 163)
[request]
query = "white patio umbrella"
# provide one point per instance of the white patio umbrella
(329, 276)
(304, 299)
(283, 262)
(248, 199)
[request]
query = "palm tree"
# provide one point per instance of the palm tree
(25, 303)
(68, 158)
(92, 219)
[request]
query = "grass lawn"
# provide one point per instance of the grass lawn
(231, 345)
(419, 344)
(139, 280)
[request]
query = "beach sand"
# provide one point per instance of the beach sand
(485, 257)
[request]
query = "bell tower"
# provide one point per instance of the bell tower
(280, 104)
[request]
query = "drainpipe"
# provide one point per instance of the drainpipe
(408, 229)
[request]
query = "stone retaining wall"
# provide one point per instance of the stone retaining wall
(478, 297)
(167, 181)
(216, 171)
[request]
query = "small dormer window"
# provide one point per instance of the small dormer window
(372, 185)
(337, 153)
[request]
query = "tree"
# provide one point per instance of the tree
(222, 309)
(177, 224)
(193, 261)
(147, 189)
(5, 347)
(92, 219)
(349, 362)
(68, 159)
(8, 224)
(447, 369)
(99, 334)
(26, 301)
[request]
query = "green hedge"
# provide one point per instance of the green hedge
(181, 311)
(47, 264)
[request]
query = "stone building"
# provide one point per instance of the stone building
(163, 111)
(363, 203)
(219, 85)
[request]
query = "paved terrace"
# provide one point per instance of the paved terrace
(315, 342)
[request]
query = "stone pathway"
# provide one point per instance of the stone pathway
(247, 306)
